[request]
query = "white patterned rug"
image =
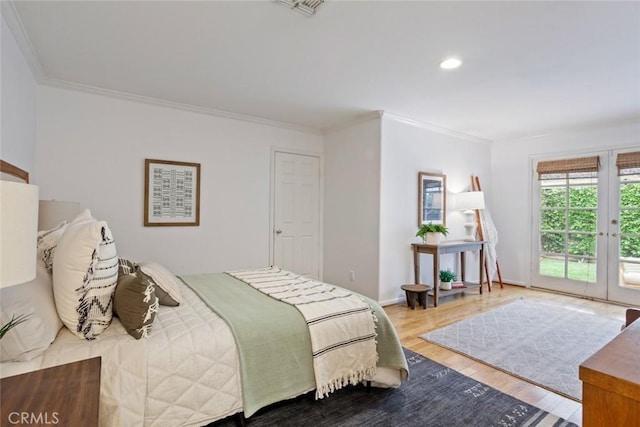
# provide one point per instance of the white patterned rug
(536, 341)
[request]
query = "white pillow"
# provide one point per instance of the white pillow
(85, 274)
(169, 287)
(32, 337)
(47, 243)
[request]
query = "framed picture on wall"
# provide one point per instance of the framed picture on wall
(432, 198)
(171, 193)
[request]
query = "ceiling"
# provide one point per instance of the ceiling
(529, 68)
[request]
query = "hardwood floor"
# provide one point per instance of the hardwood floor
(410, 324)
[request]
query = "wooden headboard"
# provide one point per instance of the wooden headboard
(8, 168)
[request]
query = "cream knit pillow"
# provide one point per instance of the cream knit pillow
(85, 274)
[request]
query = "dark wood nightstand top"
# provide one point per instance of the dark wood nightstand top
(66, 395)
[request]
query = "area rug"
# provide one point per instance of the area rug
(434, 396)
(534, 340)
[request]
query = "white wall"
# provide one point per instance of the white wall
(351, 207)
(408, 149)
(511, 184)
(18, 108)
(91, 149)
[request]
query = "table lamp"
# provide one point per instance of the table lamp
(470, 201)
(18, 232)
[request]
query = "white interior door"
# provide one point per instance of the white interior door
(587, 232)
(296, 216)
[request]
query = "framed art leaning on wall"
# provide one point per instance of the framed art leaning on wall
(171, 193)
(432, 198)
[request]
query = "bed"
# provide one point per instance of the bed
(189, 365)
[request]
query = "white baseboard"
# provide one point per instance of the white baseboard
(511, 282)
(392, 301)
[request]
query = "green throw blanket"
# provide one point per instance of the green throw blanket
(273, 339)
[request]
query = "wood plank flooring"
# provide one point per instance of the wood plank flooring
(410, 324)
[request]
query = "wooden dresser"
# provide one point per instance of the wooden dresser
(611, 382)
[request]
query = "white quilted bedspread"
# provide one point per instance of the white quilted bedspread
(185, 373)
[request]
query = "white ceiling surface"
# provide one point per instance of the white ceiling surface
(529, 68)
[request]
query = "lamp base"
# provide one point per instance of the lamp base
(469, 226)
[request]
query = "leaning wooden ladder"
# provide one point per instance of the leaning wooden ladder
(475, 186)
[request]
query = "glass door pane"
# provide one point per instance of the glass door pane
(568, 226)
(630, 221)
(624, 264)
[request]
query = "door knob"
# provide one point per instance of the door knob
(278, 231)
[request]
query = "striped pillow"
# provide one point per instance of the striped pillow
(85, 274)
(47, 243)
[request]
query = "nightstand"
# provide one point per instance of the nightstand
(66, 395)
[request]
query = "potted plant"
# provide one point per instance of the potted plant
(446, 277)
(15, 321)
(431, 233)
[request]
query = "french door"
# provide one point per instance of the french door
(586, 224)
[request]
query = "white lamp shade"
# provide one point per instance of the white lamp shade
(470, 200)
(18, 232)
(52, 212)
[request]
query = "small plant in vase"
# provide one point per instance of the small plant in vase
(431, 233)
(446, 277)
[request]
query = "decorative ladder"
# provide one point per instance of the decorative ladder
(475, 186)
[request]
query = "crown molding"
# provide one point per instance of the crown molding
(176, 105)
(11, 17)
(362, 118)
(633, 120)
(434, 128)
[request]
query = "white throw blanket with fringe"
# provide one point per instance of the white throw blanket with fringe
(341, 325)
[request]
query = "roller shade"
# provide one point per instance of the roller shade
(567, 166)
(628, 163)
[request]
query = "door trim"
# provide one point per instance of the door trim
(272, 202)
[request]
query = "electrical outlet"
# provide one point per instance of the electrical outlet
(352, 275)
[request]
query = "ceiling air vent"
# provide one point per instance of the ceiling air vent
(308, 7)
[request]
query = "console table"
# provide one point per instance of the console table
(448, 247)
(67, 395)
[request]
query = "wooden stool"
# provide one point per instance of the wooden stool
(416, 293)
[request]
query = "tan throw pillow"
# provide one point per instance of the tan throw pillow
(167, 285)
(135, 304)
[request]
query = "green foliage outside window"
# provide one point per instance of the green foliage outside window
(582, 217)
(630, 220)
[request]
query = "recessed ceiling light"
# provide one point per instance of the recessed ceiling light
(450, 63)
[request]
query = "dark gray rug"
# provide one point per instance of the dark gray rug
(433, 396)
(541, 342)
